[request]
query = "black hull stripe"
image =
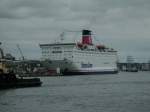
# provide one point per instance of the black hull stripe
(90, 73)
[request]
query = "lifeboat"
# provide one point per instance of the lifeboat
(100, 47)
(80, 45)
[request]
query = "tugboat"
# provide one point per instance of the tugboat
(8, 78)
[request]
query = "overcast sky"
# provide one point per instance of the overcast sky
(121, 24)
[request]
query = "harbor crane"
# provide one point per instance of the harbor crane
(1, 52)
(20, 51)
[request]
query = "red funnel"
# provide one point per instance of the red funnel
(86, 37)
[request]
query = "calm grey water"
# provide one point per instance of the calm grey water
(124, 92)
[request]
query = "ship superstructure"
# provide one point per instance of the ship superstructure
(80, 58)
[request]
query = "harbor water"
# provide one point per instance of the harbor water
(123, 92)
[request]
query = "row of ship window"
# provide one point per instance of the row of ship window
(70, 56)
(80, 51)
(53, 52)
(76, 53)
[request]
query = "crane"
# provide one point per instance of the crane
(1, 52)
(5, 65)
(20, 51)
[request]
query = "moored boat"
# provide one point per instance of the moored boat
(11, 81)
(80, 58)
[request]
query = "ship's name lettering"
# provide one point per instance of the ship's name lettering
(86, 65)
(56, 51)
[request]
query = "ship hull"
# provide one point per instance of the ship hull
(70, 68)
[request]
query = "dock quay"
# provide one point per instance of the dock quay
(36, 68)
(135, 66)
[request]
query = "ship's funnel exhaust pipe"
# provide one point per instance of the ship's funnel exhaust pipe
(86, 37)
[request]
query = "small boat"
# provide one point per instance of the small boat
(10, 81)
(30, 82)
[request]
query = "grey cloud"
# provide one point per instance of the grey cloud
(28, 8)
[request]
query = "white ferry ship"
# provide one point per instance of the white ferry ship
(80, 58)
